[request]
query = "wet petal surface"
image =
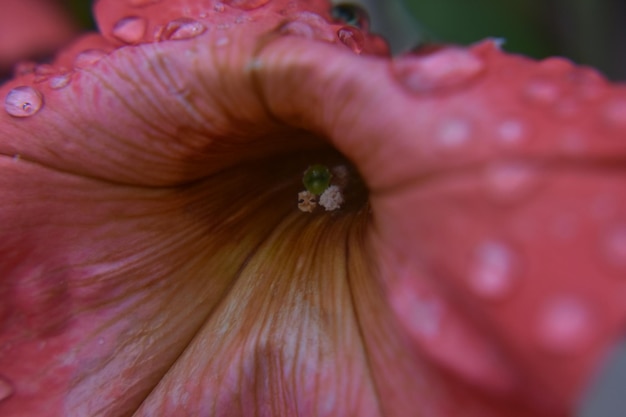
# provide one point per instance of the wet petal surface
(154, 252)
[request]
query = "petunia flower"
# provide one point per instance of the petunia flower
(154, 260)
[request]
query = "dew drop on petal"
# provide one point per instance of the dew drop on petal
(246, 4)
(140, 3)
(493, 271)
(300, 29)
(23, 101)
(352, 38)
(180, 29)
(308, 25)
(615, 113)
(453, 134)
(59, 81)
(221, 42)
(445, 69)
(542, 91)
(511, 133)
(510, 181)
(6, 388)
(565, 326)
(615, 246)
(130, 29)
(88, 58)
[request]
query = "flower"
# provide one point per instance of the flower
(155, 261)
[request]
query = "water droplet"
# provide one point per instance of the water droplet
(445, 69)
(223, 41)
(352, 38)
(88, 57)
(6, 388)
(23, 101)
(615, 113)
(565, 325)
(615, 246)
(130, 29)
(493, 270)
(141, 3)
(101, 341)
(219, 7)
(60, 81)
(556, 65)
(181, 29)
(453, 134)
(510, 181)
(511, 133)
(246, 4)
(542, 91)
(309, 26)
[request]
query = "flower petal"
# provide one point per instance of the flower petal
(136, 192)
(497, 188)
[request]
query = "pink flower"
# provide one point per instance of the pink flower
(153, 259)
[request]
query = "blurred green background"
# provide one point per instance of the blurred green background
(591, 32)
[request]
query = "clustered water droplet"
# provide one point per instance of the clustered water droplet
(88, 57)
(23, 101)
(130, 29)
(445, 69)
(181, 29)
(352, 38)
(59, 81)
(309, 26)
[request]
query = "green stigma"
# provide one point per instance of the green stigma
(316, 179)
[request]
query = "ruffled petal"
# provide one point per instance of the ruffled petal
(155, 255)
(497, 191)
